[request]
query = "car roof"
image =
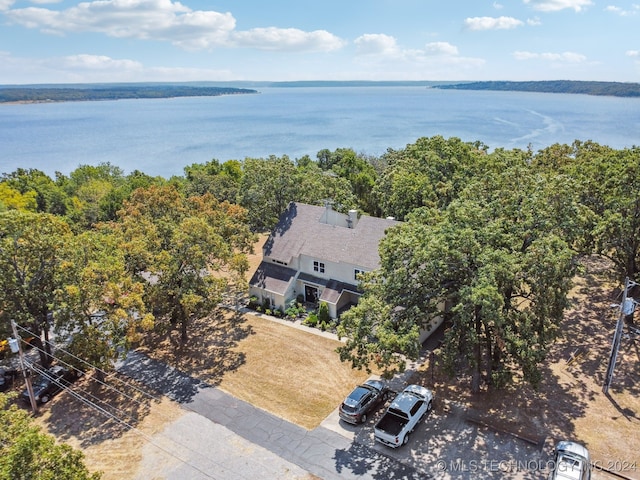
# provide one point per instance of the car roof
(574, 448)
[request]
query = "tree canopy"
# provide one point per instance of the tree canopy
(489, 239)
(27, 452)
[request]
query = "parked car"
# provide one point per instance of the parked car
(403, 415)
(7, 376)
(570, 461)
(50, 382)
(363, 400)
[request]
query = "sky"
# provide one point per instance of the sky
(60, 41)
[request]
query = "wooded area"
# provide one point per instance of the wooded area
(613, 89)
(115, 92)
(495, 236)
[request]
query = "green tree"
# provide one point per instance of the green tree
(495, 257)
(609, 185)
(221, 180)
(267, 187)
(181, 245)
(26, 452)
(31, 246)
(100, 306)
(430, 172)
(50, 198)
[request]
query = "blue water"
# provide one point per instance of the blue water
(161, 137)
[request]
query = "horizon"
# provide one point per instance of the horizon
(165, 41)
(267, 83)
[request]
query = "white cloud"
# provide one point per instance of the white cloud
(534, 22)
(166, 20)
(6, 4)
(632, 53)
(97, 63)
(498, 6)
(635, 9)
(287, 39)
(565, 57)
(491, 23)
(440, 48)
(86, 68)
(381, 54)
(376, 44)
(557, 5)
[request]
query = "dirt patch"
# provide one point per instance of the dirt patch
(570, 403)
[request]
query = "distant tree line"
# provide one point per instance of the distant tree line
(495, 236)
(615, 89)
(68, 94)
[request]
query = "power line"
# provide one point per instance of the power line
(102, 410)
(149, 439)
(90, 365)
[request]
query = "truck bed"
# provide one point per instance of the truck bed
(391, 423)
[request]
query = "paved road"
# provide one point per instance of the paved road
(218, 420)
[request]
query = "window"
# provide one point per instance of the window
(318, 267)
(416, 407)
(356, 273)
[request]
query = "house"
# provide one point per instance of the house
(316, 253)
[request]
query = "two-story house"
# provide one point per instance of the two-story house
(318, 253)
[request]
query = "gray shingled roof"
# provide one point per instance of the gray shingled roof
(273, 278)
(300, 232)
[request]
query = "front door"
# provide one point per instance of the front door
(310, 294)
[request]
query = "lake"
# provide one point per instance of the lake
(162, 136)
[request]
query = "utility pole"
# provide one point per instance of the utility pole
(27, 378)
(617, 336)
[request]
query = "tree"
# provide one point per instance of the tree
(11, 198)
(27, 452)
(495, 256)
(31, 246)
(222, 181)
(181, 245)
(266, 188)
(430, 172)
(100, 306)
(49, 197)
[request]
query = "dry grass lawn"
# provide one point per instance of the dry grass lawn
(293, 374)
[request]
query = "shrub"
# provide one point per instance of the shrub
(253, 302)
(311, 320)
(323, 313)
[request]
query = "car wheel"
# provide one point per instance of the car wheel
(405, 440)
(44, 399)
(429, 406)
(363, 418)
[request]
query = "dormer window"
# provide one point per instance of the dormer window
(318, 266)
